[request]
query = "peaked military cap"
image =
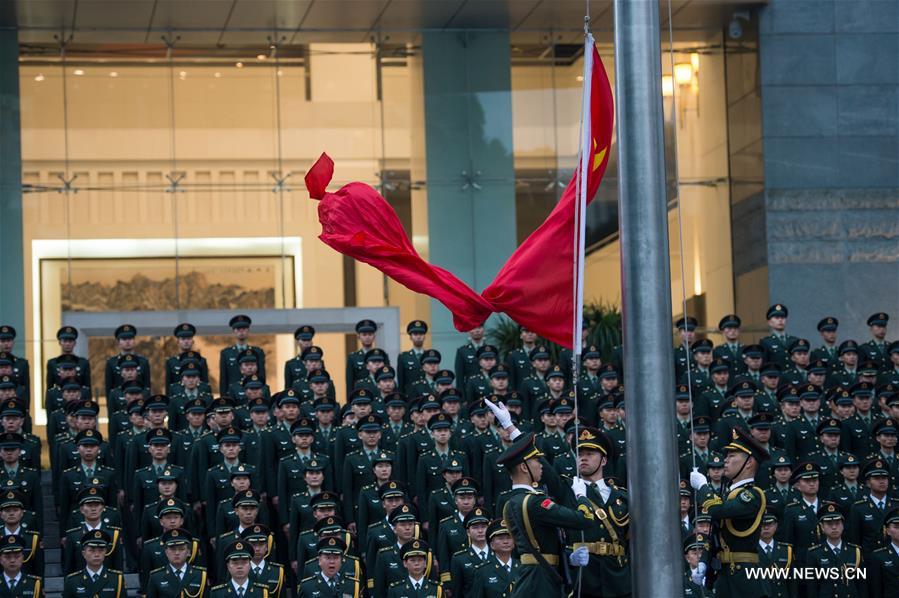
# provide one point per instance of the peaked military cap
(318, 376)
(197, 405)
(239, 471)
(497, 527)
(417, 327)
(12, 498)
(703, 345)
(741, 441)
(465, 486)
(97, 537)
(375, 355)
(486, 352)
(88, 437)
(259, 405)
(861, 389)
(11, 440)
(878, 319)
(702, 423)
(240, 321)
(239, 549)
(369, 423)
(848, 346)
(429, 401)
(683, 489)
(452, 464)
(696, 540)
(761, 421)
(159, 402)
(555, 372)
(476, 515)
(315, 465)
(176, 537)
(804, 470)
(430, 356)
(561, 405)
(884, 426)
(450, 395)
(246, 498)
(444, 377)
(592, 438)
(778, 310)
(608, 371)
(302, 426)
(313, 353)
(169, 506)
(591, 352)
(892, 516)
(324, 404)
(829, 426)
(689, 323)
(440, 421)
(753, 351)
(256, 532)
(848, 460)
(743, 388)
(366, 326)
(382, 456)
(414, 548)
(404, 512)
(391, 489)
(331, 545)
(185, 330)
(770, 516)
(538, 352)
(288, 396)
(229, 434)
(385, 373)
(875, 467)
(166, 475)
(828, 324)
(829, 511)
(395, 399)
(328, 525)
(800, 345)
(809, 392)
(304, 333)
(523, 448)
(248, 356)
(159, 436)
(125, 331)
(719, 365)
(323, 500)
(12, 543)
(67, 333)
(730, 321)
(868, 368)
(127, 360)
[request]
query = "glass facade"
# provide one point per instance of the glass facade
(159, 180)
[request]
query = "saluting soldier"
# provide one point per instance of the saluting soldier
(328, 582)
(16, 583)
(124, 336)
(417, 562)
(178, 578)
(883, 572)
(94, 578)
(262, 570)
(408, 363)
(739, 516)
(184, 335)
(237, 558)
(229, 366)
(67, 336)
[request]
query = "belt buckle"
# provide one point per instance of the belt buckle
(603, 548)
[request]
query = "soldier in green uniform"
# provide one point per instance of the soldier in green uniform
(262, 570)
(477, 384)
(91, 506)
(229, 367)
(356, 361)
(15, 475)
(416, 559)
(460, 575)
(775, 554)
(16, 582)
(876, 348)
(450, 534)
(357, 466)
(845, 371)
(731, 350)
(834, 552)
(800, 522)
(466, 362)
(170, 516)
(426, 382)
(739, 516)
(323, 508)
(328, 581)
(430, 464)
(776, 343)
(408, 363)
(94, 578)
(184, 334)
(867, 513)
(368, 507)
(237, 557)
(518, 360)
(295, 368)
(534, 518)
(124, 336)
(890, 372)
(67, 336)
(218, 477)
(20, 369)
(65, 376)
(883, 564)
(292, 468)
(87, 473)
(246, 506)
(827, 352)
(13, 514)
(683, 359)
(494, 578)
(178, 578)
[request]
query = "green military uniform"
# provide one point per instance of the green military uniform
(843, 556)
(405, 586)
(107, 583)
(883, 565)
(341, 585)
(165, 583)
(534, 520)
(358, 469)
(226, 590)
(176, 365)
(82, 365)
(466, 363)
(739, 516)
(493, 579)
(459, 576)
(777, 555)
(23, 584)
(152, 556)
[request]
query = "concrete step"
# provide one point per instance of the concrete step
(52, 569)
(52, 555)
(53, 584)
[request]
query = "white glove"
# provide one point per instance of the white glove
(698, 575)
(579, 487)
(697, 480)
(580, 557)
(500, 413)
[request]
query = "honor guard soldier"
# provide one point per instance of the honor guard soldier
(777, 343)
(739, 516)
(295, 367)
(178, 578)
(13, 513)
(91, 504)
(229, 366)
(237, 558)
(408, 363)
(834, 552)
(67, 336)
(328, 582)
(607, 572)
(21, 370)
(16, 583)
(356, 361)
(94, 578)
(877, 348)
(883, 565)
(124, 336)
(466, 362)
(263, 571)
(417, 561)
(495, 577)
(184, 335)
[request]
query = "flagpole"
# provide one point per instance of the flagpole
(656, 557)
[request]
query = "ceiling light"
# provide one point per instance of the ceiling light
(579, 78)
(39, 77)
(280, 72)
(239, 65)
(217, 75)
(78, 72)
(113, 74)
(694, 61)
(683, 73)
(261, 56)
(183, 74)
(667, 86)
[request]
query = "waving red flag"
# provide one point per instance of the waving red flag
(535, 287)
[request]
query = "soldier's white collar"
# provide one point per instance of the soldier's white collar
(16, 579)
(741, 483)
(895, 547)
(96, 573)
(238, 587)
(330, 579)
(527, 487)
(764, 545)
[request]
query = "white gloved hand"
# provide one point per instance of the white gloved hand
(503, 418)
(580, 557)
(697, 480)
(579, 487)
(698, 575)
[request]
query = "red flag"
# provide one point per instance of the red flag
(358, 222)
(534, 287)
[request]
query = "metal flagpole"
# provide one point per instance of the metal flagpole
(657, 562)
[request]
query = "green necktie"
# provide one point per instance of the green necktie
(89, 472)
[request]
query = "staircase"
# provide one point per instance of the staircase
(53, 574)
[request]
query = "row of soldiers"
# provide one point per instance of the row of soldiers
(460, 431)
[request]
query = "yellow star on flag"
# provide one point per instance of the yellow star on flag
(598, 157)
